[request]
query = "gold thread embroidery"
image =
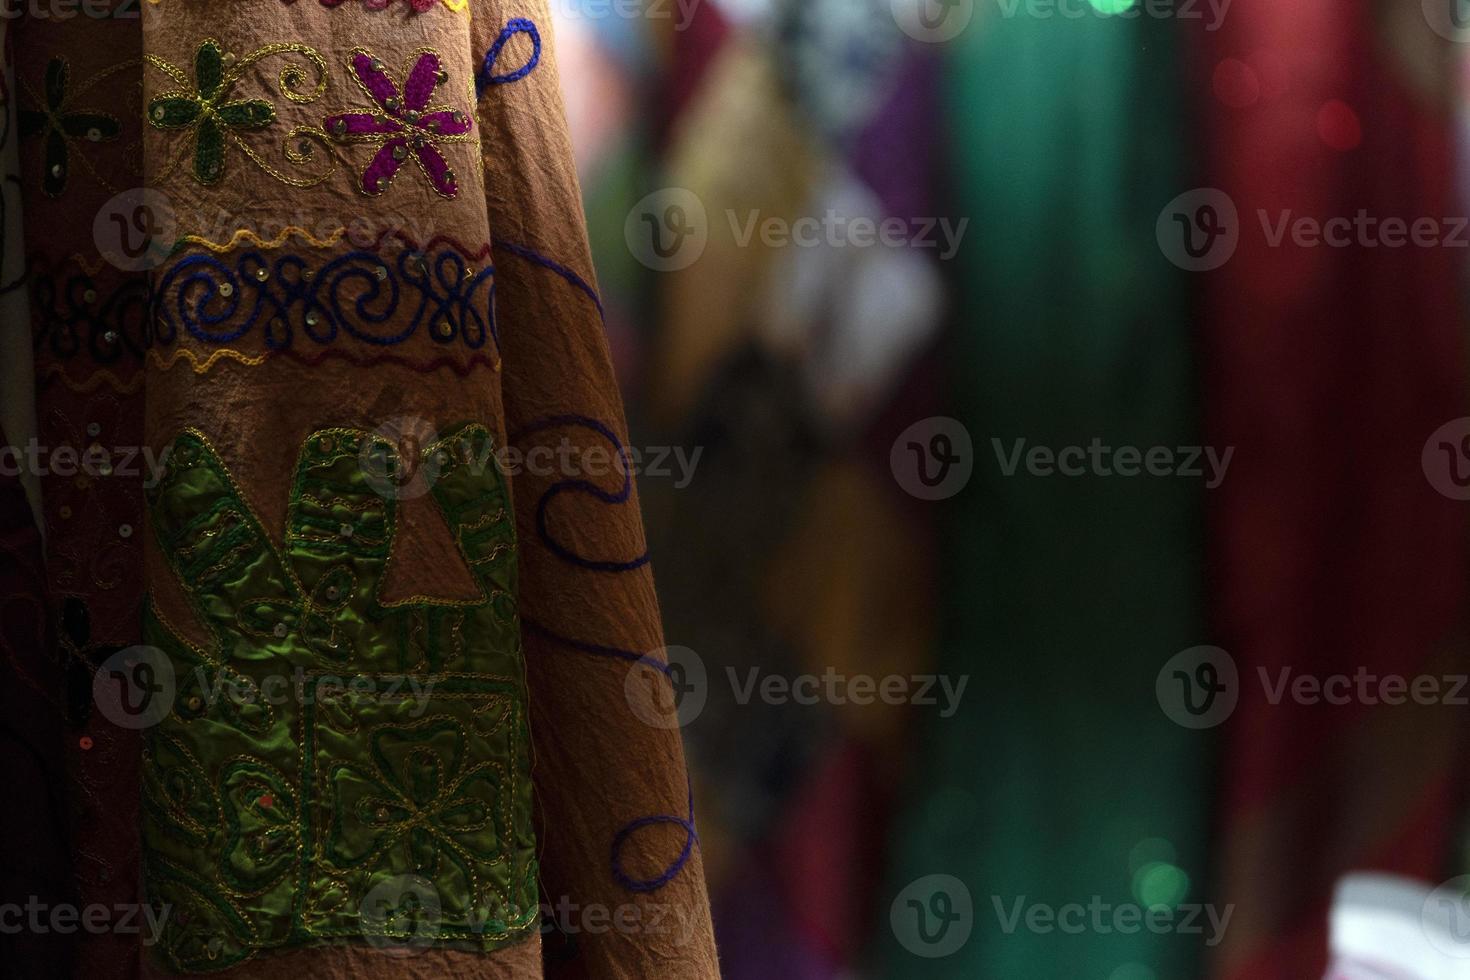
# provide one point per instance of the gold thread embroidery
(193, 110)
(162, 363)
(95, 380)
(71, 96)
(244, 236)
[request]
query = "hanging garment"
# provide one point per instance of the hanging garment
(363, 565)
(775, 380)
(1059, 782)
(35, 858)
(1328, 369)
(75, 81)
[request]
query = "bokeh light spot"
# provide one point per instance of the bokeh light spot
(1338, 126)
(1236, 84)
(1160, 884)
(1150, 850)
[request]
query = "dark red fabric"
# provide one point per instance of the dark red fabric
(1327, 369)
(35, 867)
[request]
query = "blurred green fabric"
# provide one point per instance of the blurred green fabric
(1061, 781)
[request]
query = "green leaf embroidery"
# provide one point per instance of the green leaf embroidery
(205, 109)
(60, 124)
(278, 824)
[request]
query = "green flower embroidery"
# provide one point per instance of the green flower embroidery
(60, 123)
(206, 110)
(424, 804)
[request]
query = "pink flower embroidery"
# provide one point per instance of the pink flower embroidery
(402, 124)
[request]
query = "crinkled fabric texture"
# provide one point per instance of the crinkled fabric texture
(355, 292)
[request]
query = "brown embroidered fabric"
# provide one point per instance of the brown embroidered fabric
(348, 233)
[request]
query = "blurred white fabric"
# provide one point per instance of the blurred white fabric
(1390, 928)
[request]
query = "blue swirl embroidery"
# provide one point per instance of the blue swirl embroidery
(71, 315)
(288, 295)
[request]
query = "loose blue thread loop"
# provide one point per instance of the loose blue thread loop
(487, 77)
(536, 258)
(620, 496)
(645, 885)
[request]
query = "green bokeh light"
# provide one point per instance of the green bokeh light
(1159, 883)
(1151, 850)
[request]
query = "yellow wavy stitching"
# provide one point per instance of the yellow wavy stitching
(243, 235)
(91, 267)
(162, 363)
(157, 360)
(94, 381)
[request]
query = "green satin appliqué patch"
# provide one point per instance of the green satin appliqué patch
(336, 767)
